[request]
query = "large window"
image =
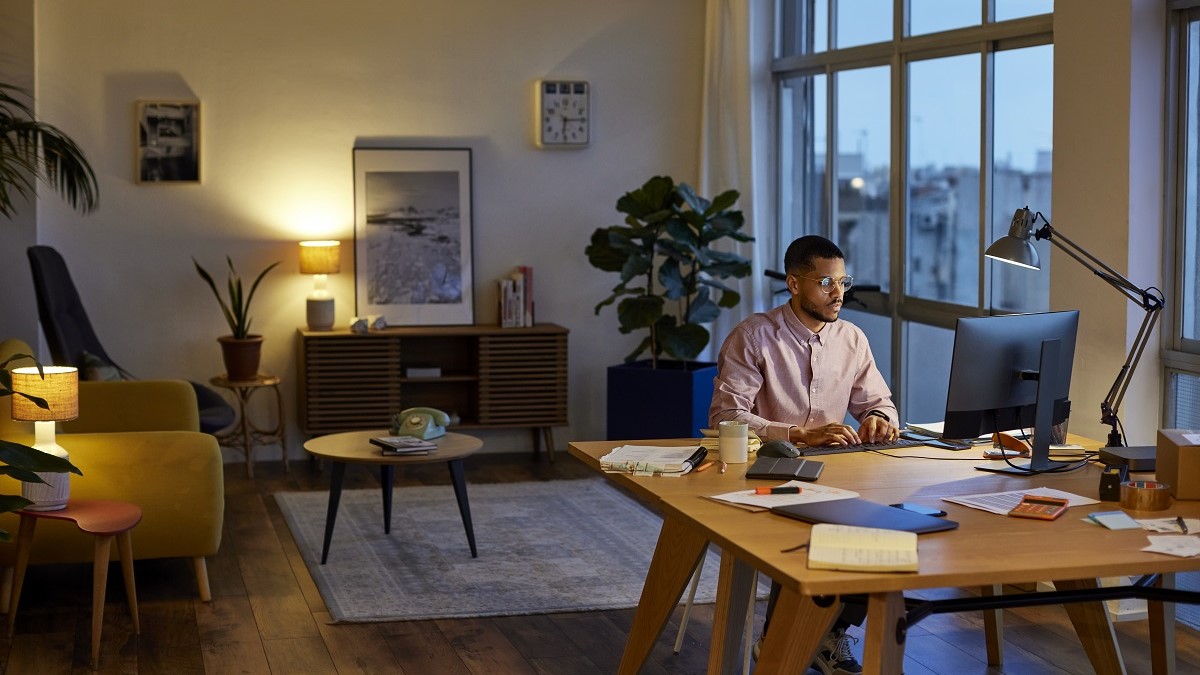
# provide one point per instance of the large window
(1182, 356)
(911, 143)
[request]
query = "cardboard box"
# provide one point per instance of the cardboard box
(1178, 462)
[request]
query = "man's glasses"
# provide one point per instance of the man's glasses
(827, 283)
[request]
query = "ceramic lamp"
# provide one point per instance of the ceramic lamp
(319, 258)
(59, 388)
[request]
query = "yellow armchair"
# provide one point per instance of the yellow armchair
(137, 442)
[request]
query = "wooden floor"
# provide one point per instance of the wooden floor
(267, 617)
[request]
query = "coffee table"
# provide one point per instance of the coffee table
(354, 447)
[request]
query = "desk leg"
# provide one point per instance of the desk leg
(24, 543)
(993, 627)
(733, 599)
(1094, 628)
(883, 653)
(1162, 630)
(336, 473)
(459, 479)
(675, 558)
(797, 626)
(387, 479)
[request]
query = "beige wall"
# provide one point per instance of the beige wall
(1108, 194)
(288, 88)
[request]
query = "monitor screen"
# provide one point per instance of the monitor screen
(1011, 372)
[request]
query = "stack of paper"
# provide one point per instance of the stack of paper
(404, 445)
(650, 459)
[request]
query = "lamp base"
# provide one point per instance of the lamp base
(49, 496)
(320, 313)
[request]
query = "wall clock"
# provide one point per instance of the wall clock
(564, 114)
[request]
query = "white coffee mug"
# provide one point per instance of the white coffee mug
(733, 441)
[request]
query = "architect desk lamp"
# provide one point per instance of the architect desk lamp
(1015, 248)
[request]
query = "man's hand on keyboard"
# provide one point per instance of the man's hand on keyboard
(877, 430)
(833, 433)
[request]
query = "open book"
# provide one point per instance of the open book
(861, 549)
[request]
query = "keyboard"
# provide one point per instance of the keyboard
(861, 447)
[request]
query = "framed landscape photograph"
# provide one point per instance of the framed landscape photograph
(168, 149)
(412, 236)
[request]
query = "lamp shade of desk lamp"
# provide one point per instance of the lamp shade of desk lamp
(60, 390)
(319, 258)
(1017, 249)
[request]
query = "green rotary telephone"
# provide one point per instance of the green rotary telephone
(423, 423)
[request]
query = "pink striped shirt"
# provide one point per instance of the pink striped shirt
(775, 373)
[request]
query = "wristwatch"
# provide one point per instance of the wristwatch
(880, 414)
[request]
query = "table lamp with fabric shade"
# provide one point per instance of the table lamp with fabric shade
(59, 388)
(319, 258)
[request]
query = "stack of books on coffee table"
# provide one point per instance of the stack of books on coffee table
(404, 445)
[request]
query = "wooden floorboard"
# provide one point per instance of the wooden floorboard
(268, 617)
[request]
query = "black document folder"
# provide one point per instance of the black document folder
(864, 513)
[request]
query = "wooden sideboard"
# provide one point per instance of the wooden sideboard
(491, 377)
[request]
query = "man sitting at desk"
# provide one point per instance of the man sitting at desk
(794, 373)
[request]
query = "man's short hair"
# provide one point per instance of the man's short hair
(800, 254)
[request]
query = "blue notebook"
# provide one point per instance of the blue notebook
(864, 513)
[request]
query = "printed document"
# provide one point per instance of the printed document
(809, 493)
(1003, 502)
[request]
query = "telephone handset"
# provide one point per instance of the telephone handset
(422, 423)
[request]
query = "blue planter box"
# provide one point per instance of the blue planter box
(670, 401)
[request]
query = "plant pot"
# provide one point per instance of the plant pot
(241, 356)
(670, 401)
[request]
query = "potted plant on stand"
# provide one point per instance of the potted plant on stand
(671, 284)
(241, 350)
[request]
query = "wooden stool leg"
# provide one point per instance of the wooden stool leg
(6, 581)
(125, 550)
(99, 581)
(24, 540)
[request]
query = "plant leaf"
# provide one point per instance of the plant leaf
(24, 457)
(639, 312)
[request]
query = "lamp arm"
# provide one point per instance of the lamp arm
(1149, 299)
(1143, 297)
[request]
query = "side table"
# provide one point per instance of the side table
(244, 434)
(104, 520)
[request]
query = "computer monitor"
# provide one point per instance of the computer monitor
(1012, 372)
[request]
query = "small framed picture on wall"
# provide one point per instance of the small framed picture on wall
(168, 142)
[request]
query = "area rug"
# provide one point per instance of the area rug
(544, 547)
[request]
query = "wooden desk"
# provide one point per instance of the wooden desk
(986, 550)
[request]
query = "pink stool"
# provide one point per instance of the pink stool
(104, 520)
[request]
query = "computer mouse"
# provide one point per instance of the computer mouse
(778, 448)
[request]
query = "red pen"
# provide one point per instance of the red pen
(781, 490)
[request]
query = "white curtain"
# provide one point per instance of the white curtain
(735, 140)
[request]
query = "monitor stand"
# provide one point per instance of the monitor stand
(1023, 468)
(1043, 419)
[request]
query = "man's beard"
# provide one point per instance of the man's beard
(827, 312)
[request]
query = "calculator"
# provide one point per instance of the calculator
(1043, 508)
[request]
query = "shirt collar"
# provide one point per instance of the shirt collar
(802, 332)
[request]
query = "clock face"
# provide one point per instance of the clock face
(563, 114)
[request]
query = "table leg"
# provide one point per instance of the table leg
(1094, 628)
(247, 440)
(675, 558)
(797, 626)
(1162, 630)
(459, 479)
(24, 541)
(733, 599)
(883, 653)
(280, 430)
(387, 479)
(336, 473)
(125, 551)
(993, 627)
(99, 583)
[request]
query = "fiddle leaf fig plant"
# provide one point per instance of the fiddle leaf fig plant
(22, 462)
(672, 279)
(237, 310)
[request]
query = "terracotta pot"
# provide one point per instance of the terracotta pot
(241, 356)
